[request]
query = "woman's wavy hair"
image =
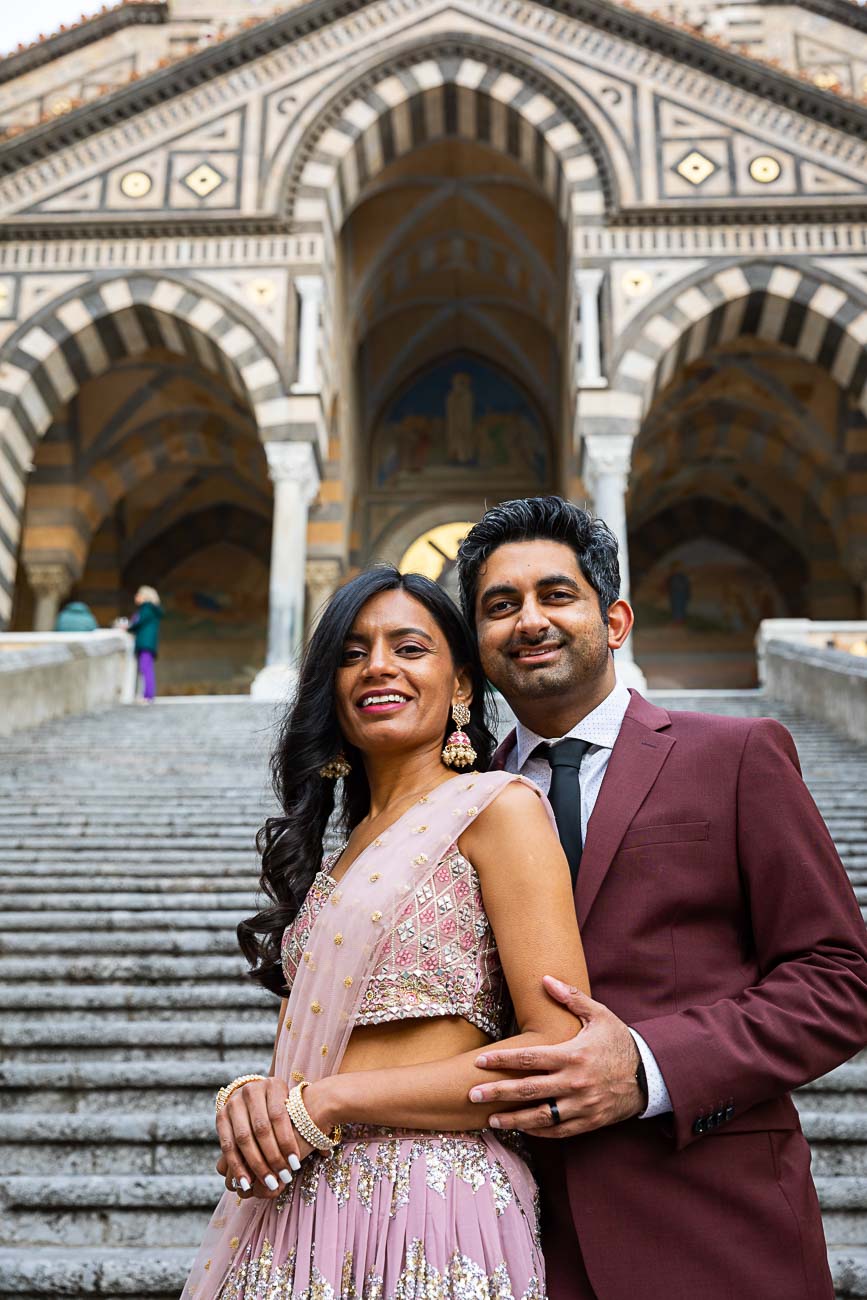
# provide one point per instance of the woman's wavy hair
(309, 736)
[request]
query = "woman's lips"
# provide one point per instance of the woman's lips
(378, 706)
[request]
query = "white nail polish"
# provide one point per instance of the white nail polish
(294, 1163)
(285, 1176)
(245, 1186)
(271, 1183)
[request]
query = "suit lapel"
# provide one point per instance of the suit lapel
(636, 761)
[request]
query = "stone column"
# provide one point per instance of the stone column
(588, 282)
(310, 290)
(50, 581)
(322, 579)
(607, 459)
(294, 473)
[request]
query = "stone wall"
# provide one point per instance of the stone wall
(55, 675)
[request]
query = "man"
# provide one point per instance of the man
(726, 951)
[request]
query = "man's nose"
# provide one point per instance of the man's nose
(532, 619)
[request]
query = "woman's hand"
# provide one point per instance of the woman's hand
(258, 1142)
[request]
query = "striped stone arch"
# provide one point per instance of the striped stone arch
(47, 360)
(463, 90)
(730, 433)
(823, 322)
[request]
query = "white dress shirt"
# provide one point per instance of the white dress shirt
(601, 728)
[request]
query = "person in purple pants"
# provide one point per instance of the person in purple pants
(145, 623)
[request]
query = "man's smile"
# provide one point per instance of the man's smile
(537, 654)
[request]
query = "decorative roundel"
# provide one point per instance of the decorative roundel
(135, 185)
(262, 290)
(637, 283)
(765, 169)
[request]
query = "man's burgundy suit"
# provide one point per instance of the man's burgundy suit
(718, 922)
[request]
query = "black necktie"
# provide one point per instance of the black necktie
(565, 795)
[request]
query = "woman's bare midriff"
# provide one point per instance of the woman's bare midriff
(410, 1042)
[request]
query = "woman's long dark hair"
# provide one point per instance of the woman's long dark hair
(291, 845)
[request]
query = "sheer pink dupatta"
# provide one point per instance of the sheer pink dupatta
(344, 948)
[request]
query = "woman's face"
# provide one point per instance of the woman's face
(397, 680)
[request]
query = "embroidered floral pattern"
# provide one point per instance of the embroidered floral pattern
(441, 959)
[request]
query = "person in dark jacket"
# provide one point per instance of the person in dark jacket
(76, 617)
(145, 623)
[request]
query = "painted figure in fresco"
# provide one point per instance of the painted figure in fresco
(398, 957)
(724, 943)
(461, 442)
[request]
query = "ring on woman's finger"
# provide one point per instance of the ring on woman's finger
(555, 1112)
(235, 1184)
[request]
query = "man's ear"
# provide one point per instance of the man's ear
(620, 620)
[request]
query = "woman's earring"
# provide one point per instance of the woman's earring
(336, 767)
(459, 750)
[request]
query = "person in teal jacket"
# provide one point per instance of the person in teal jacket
(76, 617)
(145, 623)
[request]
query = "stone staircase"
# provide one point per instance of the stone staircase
(126, 860)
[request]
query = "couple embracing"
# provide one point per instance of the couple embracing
(543, 1008)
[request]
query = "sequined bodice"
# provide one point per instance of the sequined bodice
(440, 959)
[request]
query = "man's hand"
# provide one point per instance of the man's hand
(591, 1077)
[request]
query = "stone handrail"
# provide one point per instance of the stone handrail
(46, 675)
(822, 683)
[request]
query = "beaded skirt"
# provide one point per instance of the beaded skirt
(394, 1214)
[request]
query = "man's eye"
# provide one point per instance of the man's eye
(561, 595)
(499, 607)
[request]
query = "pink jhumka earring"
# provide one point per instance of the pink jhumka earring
(459, 750)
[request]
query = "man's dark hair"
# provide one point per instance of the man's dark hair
(532, 519)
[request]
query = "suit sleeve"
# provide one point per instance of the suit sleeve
(807, 1012)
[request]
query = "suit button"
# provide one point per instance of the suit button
(699, 1126)
(730, 1113)
(712, 1122)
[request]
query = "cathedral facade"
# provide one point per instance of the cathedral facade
(285, 293)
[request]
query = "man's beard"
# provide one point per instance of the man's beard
(579, 663)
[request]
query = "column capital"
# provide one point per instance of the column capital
(49, 577)
(588, 279)
(608, 453)
(309, 286)
(294, 462)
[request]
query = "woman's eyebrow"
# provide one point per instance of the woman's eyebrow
(394, 634)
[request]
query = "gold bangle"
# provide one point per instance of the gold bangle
(309, 1130)
(225, 1093)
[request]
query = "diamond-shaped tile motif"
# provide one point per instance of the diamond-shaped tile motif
(203, 180)
(695, 167)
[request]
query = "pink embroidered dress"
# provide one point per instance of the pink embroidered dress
(391, 1214)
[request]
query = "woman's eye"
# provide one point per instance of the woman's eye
(352, 656)
(410, 648)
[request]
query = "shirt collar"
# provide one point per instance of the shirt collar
(601, 727)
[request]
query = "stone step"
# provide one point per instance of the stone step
(92, 970)
(181, 942)
(87, 904)
(134, 1000)
(169, 1142)
(144, 1209)
(93, 1038)
(73, 920)
(87, 1273)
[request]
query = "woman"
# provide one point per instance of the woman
(411, 948)
(145, 622)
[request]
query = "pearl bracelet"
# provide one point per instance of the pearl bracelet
(225, 1093)
(310, 1131)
